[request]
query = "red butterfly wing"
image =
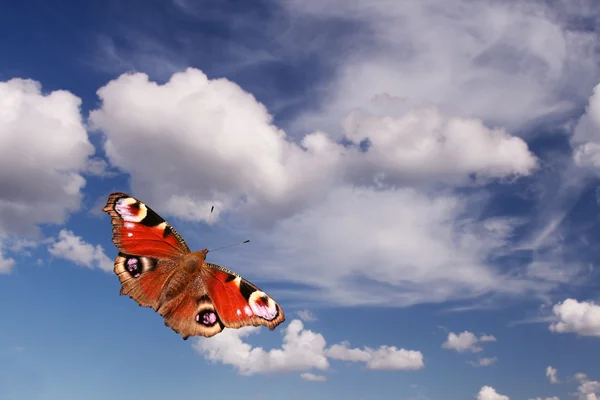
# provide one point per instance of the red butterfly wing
(157, 269)
(191, 312)
(138, 230)
(238, 302)
(149, 249)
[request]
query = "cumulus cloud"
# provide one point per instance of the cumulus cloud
(224, 139)
(73, 248)
(383, 358)
(424, 144)
(210, 132)
(308, 376)
(47, 150)
(582, 318)
(302, 350)
(587, 389)
(551, 373)
(213, 133)
(489, 393)
(466, 341)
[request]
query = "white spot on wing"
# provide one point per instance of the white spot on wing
(268, 311)
(128, 213)
(248, 311)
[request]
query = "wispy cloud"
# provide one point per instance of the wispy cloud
(477, 54)
(308, 376)
(483, 362)
(306, 315)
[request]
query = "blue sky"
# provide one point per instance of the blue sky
(419, 182)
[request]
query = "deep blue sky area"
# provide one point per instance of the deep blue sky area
(418, 181)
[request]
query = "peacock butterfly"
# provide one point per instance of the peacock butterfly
(157, 269)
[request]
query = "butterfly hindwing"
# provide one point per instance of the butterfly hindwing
(192, 313)
(143, 278)
(238, 302)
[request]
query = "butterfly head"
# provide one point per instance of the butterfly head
(200, 255)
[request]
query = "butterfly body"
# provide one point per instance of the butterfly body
(157, 269)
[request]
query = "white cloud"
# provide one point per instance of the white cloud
(424, 144)
(489, 393)
(302, 350)
(506, 62)
(211, 132)
(581, 377)
(466, 341)
(6, 264)
(255, 163)
(383, 358)
(587, 389)
(45, 150)
(98, 167)
(423, 245)
(306, 315)
(393, 247)
(483, 362)
(312, 377)
(75, 249)
(586, 137)
(551, 373)
(582, 318)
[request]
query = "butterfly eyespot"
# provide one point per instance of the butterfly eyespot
(127, 266)
(263, 306)
(134, 267)
(130, 209)
(206, 318)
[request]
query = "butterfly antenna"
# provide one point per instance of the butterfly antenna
(231, 245)
(209, 217)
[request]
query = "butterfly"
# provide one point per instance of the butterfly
(157, 269)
